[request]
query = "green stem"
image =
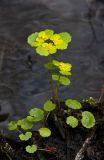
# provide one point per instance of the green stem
(51, 82)
(57, 91)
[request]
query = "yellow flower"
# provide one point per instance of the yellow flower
(42, 35)
(49, 47)
(65, 67)
(56, 38)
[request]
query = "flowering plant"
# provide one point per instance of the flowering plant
(47, 43)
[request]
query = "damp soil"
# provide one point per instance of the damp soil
(64, 144)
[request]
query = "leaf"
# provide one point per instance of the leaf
(72, 121)
(12, 125)
(42, 51)
(62, 46)
(49, 32)
(64, 80)
(44, 132)
(88, 119)
(37, 114)
(31, 149)
(31, 38)
(55, 77)
(66, 37)
(26, 136)
(73, 104)
(56, 63)
(49, 106)
(25, 124)
(65, 73)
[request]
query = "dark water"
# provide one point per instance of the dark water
(21, 87)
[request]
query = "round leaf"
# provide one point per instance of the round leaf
(37, 114)
(25, 124)
(31, 149)
(49, 32)
(72, 121)
(26, 136)
(88, 119)
(44, 132)
(55, 77)
(42, 51)
(73, 104)
(66, 37)
(31, 38)
(64, 80)
(12, 125)
(49, 106)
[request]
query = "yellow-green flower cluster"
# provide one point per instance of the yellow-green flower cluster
(64, 68)
(46, 42)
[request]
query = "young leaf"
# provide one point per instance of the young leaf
(44, 132)
(55, 77)
(12, 125)
(49, 32)
(42, 51)
(49, 66)
(31, 149)
(88, 119)
(37, 114)
(73, 104)
(31, 38)
(65, 73)
(25, 124)
(64, 80)
(26, 136)
(49, 106)
(72, 121)
(66, 37)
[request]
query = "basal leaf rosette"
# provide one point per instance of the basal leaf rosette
(73, 104)
(46, 42)
(72, 121)
(88, 119)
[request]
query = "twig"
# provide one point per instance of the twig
(80, 154)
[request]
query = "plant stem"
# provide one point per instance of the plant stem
(57, 92)
(51, 82)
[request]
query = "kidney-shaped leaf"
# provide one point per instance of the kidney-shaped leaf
(26, 136)
(42, 51)
(88, 119)
(31, 149)
(49, 106)
(25, 124)
(37, 114)
(72, 121)
(44, 132)
(12, 125)
(73, 104)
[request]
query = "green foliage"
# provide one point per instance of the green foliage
(66, 37)
(42, 51)
(88, 119)
(44, 132)
(72, 121)
(73, 104)
(12, 125)
(26, 136)
(25, 124)
(31, 149)
(62, 79)
(36, 114)
(49, 106)
(32, 38)
(91, 101)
